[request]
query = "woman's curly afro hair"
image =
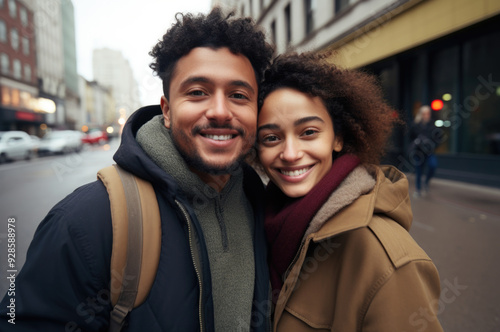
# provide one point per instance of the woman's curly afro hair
(354, 100)
(215, 30)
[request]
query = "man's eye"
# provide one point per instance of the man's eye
(197, 93)
(239, 96)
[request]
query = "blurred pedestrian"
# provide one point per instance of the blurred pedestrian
(212, 273)
(422, 149)
(341, 257)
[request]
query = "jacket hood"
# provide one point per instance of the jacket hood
(392, 196)
(367, 190)
(131, 157)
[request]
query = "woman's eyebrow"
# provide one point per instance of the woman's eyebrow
(307, 119)
(298, 122)
(271, 126)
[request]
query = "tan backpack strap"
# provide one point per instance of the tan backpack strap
(136, 240)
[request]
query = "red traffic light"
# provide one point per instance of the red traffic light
(437, 104)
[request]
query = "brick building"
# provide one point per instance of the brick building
(20, 107)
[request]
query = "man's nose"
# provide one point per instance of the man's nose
(219, 109)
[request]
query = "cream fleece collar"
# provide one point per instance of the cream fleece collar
(357, 183)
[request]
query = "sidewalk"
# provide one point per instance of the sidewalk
(461, 195)
(458, 224)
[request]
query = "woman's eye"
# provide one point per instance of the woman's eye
(269, 139)
(309, 132)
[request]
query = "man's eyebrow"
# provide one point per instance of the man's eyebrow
(243, 84)
(194, 79)
(203, 79)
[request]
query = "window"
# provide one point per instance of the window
(310, 6)
(13, 8)
(17, 68)
(443, 76)
(6, 100)
(26, 46)
(250, 9)
(5, 63)
(23, 14)
(288, 25)
(3, 31)
(480, 102)
(27, 72)
(242, 10)
(340, 5)
(261, 6)
(14, 39)
(273, 31)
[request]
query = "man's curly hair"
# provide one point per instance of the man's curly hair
(354, 100)
(215, 30)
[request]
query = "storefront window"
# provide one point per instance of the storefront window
(5, 95)
(443, 86)
(481, 92)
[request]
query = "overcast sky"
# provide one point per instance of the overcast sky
(132, 27)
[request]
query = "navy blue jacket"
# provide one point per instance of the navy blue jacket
(64, 284)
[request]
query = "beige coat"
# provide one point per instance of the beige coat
(358, 268)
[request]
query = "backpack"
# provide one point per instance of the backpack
(136, 241)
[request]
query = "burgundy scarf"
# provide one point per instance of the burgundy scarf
(287, 218)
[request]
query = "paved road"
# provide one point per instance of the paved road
(459, 225)
(30, 188)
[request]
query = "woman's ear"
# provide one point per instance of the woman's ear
(165, 108)
(338, 143)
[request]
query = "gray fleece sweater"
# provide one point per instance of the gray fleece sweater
(226, 219)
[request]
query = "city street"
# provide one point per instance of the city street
(30, 188)
(457, 224)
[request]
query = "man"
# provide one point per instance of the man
(425, 138)
(212, 274)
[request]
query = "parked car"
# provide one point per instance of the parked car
(95, 136)
(60, 142)
(35, 140)
(15, 145)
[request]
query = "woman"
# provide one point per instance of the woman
(422, 149)
(340, 255)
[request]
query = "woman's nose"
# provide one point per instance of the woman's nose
(291, 151)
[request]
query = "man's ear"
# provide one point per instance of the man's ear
(165, 108)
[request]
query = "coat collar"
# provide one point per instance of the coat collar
(367, 190)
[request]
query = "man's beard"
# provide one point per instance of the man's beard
(194, 160)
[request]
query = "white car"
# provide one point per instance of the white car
(15, 145)
(63, 141)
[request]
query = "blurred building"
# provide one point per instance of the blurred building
(71, 79)
(50, 56)
(112, 70)
(97, 107)
(19, 107)
(422, 50)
